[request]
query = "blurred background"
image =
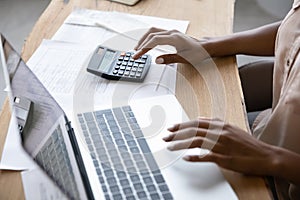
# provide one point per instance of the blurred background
(19, 16)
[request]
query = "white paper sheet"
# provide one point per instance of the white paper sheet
(14, 156)
(82, 26)
(37, 185)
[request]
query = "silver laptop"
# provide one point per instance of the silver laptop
(113, 153)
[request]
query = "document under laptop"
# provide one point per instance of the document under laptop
(113, 153)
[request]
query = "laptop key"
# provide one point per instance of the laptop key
(154, 196)
(128, 163)
(117, 197)
(124, 182)
(135, 178)
(107, 197)
(130, 198)
(127, 191)
(120, 142)
(112, 181)
(117, 135)
(88, 116)
(151, 188)
(147, 180)
(138, 133)
(114, 189)
(168, 196)
(126, 108)
(144, 146)
(151, 162)
(104, 189)
(134, 150)
(121, 174)
(109, 173)
(159, 179)
(131, 143)
(123, 148)
(142, 194)
(134, 126)
(138, 186)
(101, 179)
(137, 157)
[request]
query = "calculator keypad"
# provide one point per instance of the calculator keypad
(126, 66)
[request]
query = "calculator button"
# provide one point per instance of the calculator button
(121, 58)
(130, 64)
(126, 73)
(128, 54)
(115, 71)
(144, 56)
(126, 58)
(125, 63)
(128, 68)
(141, 65)
(131, 60)
(122, 67)
(119, 63)
(134, 69)
(138, 75)
(140, 70)
(121, 72)
(135, 64)
(117, 67)
(143, 61)
(132, 74)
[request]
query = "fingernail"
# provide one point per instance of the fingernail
(134, 56)
(159, 61)
(173, 128)
(166, 138)
(171, 147)
(187, 158)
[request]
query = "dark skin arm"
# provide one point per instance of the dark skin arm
(234, 149)
(259, 42)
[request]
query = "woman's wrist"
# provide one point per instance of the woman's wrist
(208, 45)
(285, 164)
(276, 161)
(221, 46)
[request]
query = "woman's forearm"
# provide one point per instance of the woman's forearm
(258, 42)
(287, 165)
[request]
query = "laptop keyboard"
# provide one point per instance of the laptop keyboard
(54, 159)
(124, 163)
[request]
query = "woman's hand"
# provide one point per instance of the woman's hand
(230, 147)
(189, 50)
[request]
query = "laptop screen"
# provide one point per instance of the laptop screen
(45, 138)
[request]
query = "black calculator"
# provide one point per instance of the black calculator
(118, 65)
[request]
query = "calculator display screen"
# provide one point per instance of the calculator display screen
(107, 59)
